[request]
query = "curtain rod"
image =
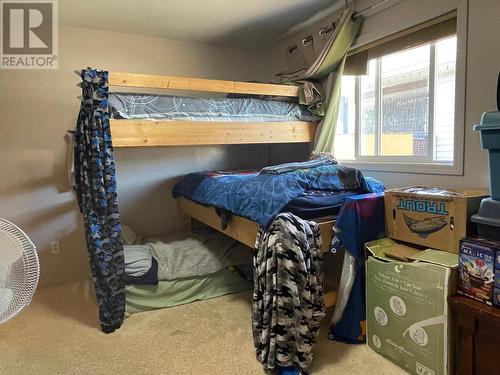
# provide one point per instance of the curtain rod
(357, 14)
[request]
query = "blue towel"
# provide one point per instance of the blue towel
(361, 219)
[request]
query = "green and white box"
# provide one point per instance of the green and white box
(407, 310)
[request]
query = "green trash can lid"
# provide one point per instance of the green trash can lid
(489, 121)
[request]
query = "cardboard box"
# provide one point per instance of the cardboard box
(477, 269)
(407, 308)
(431, 217)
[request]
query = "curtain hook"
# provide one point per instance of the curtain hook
(326, 29)
(307, 40)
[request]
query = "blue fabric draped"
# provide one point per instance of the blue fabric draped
(260, 197)
(361, 219)
(95, 186)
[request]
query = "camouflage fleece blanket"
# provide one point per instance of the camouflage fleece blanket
(287, 306)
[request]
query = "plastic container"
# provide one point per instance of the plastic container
(488, 219)
(490, 140)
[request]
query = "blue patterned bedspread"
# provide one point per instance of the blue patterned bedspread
(260, 197)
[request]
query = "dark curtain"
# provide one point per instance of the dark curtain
(95, 185)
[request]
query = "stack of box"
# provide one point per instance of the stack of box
(477, 268)
(407, 286)
(479, 276)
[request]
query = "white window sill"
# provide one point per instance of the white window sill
(406, 167)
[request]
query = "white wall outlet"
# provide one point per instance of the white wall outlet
(55, 247)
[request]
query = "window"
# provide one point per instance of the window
(403, 109)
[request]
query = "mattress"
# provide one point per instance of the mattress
(320, 203)
(317, 203)
(260, 197)
(167, 107)
(181, 291)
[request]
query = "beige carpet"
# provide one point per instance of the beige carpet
(58, 334)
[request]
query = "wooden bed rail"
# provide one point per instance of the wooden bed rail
(199, 84)
(241, 229)
(145, 133)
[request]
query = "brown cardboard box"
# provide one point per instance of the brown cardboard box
(431, 217)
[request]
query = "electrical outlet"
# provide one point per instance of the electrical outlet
(55, 247)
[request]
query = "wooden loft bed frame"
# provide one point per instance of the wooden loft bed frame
(245, 230)
(141, 133)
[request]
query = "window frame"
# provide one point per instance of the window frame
(426, 164)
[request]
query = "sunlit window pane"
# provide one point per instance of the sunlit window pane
(403, 109)
(405, 102)
(344, 147)
(444, 108)
(368, 114)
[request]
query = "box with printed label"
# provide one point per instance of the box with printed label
(431, 217)
(407, 307)
(477, 269)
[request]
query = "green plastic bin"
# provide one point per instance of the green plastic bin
(490, 140)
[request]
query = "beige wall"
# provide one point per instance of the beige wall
(37, 107)
(483, 65)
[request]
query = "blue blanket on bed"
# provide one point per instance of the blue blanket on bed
(260, 197)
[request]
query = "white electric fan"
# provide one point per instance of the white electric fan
(19, 270)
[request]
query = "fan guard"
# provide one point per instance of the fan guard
(19, 270)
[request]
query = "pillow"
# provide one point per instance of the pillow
(128, 235)
(140, 266)
(149, 278)
(138, 259)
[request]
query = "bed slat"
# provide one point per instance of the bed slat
(199, 84)
(138, 133)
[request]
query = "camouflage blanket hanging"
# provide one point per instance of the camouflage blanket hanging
(95, 186)
(287, 304)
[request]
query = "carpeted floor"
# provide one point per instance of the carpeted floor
(58, 334)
